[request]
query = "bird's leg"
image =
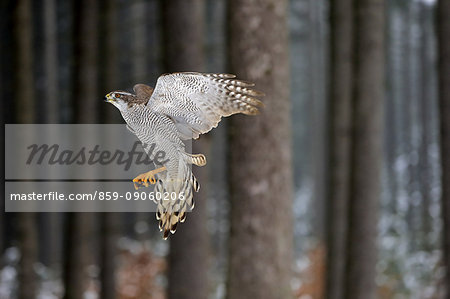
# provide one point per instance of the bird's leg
(147, 177)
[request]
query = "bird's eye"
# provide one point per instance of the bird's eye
(118, 95)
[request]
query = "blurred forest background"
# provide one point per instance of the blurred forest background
(339, 189)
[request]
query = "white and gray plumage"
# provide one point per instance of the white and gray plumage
(182, 106)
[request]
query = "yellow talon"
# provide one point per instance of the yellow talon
(147, 177)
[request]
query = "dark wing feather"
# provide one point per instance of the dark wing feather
(143, 92)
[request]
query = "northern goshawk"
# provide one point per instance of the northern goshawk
(181, 107)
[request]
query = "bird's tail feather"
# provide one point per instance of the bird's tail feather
(173, 209)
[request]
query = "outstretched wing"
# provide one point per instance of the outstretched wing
(196, 102)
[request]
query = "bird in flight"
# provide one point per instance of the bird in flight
(180, 107)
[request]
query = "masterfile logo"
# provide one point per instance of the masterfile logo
(54, 154)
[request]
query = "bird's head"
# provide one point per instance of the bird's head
(121, 99)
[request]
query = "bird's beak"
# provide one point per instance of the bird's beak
(108, 98)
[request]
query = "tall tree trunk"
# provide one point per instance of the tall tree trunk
(410, 120)
(426, 123)
(80, 226)
(183, 25)
(340, 100)
(110, 223)
(7, 103)
(25, 113)
(8, 67)
(51, 250)
(317, 83)
(443, 29)
(368, 98)
(260, 174)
